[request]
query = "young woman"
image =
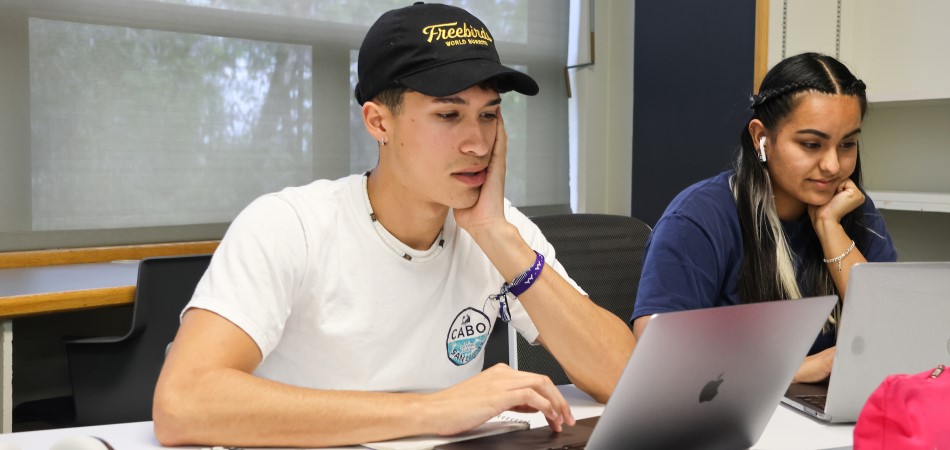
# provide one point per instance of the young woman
(788, 222)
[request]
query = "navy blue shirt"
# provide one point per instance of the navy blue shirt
(695, 251)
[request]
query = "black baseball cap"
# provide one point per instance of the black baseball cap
(434, 49)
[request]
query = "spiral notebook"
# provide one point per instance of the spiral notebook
(497, 425)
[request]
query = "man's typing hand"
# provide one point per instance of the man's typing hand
(492, 392)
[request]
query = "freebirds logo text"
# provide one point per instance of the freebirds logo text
(452, 34)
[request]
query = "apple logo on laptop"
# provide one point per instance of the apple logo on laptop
(711, 389)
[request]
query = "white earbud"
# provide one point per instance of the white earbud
(762, 149)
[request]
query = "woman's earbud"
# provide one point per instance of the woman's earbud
(762, 149)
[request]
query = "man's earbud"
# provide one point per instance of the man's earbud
(762, 149)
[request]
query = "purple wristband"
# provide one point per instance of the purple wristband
(522, 282)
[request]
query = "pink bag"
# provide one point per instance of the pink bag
(907, 412)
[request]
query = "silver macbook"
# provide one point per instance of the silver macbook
(896, 319)
(708, 378)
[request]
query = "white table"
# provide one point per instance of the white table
(48, 289)
(787, 429)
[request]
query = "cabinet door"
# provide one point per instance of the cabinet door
(798, 26)
(900, 48)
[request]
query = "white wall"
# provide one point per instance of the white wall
(605, 112)
(14, 75)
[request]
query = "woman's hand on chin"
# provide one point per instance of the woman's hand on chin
(847, 198)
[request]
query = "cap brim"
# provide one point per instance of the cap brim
(457, 76)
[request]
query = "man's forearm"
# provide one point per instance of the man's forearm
(230, 407)
(590, 343)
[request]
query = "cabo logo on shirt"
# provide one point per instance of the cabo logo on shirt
(467, 336)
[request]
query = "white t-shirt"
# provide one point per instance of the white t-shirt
(333, 306)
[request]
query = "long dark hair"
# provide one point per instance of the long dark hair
(767, 272)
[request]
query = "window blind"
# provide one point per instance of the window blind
(167, 115)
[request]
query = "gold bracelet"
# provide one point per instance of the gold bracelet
(838, 258)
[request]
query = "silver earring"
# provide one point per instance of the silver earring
(383, 140)
(762, 149)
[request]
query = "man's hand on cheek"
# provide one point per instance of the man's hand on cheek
(489, 207)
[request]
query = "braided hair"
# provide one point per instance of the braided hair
(767, 272)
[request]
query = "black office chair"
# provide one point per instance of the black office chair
(113, 378)
(604, 255)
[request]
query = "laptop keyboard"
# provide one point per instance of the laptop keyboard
(818, 401)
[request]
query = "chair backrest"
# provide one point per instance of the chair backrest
(604, 255)
(114, 378)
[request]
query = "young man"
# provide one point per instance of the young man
(356, 310)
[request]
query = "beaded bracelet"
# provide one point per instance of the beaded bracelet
(517, 287)
(840, 257)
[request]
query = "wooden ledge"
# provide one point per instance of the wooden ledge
(30, 305)
(75, 300)
(35, 258)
